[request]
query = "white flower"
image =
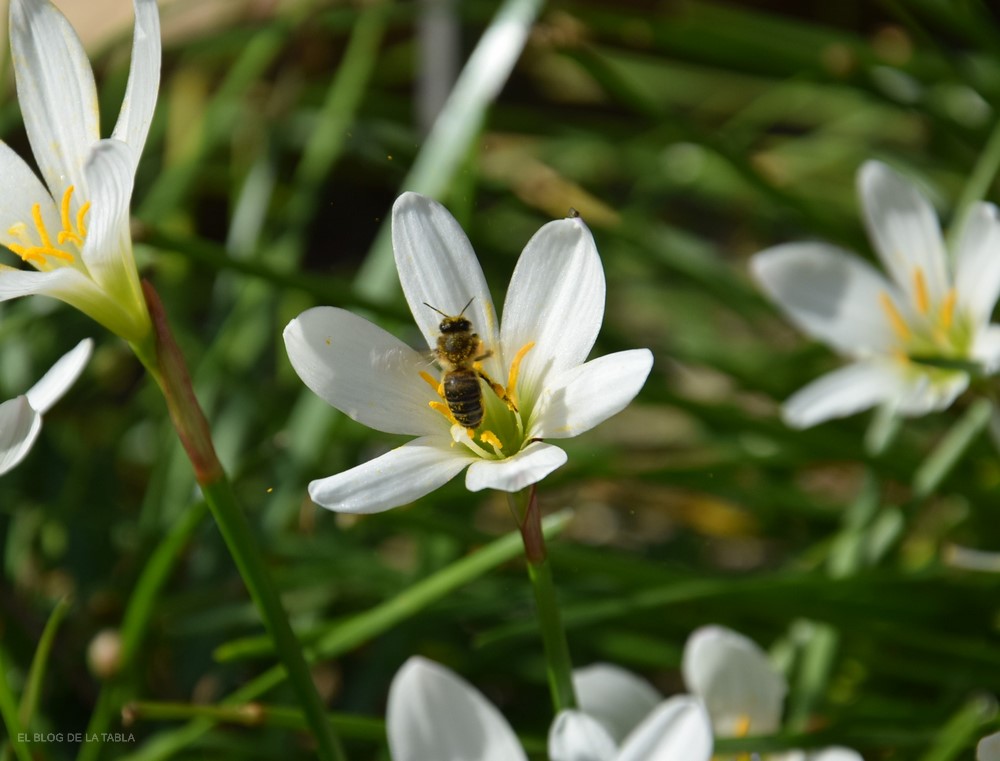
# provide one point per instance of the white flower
(73, 230)
(21, 417)
(622, 717)
(930, 309)
(435, 714)
(551, 317)
(988, 748)
(743, 692)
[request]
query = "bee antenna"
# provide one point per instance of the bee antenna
(466, 306)
(435, 309)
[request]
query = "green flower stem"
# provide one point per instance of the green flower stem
(978, 184)
(8, 710)
(138, 613)
(524, 505)
(36, 674)
(171, 373)
(349, 633)
(253, 715)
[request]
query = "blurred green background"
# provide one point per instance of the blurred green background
(689, 135)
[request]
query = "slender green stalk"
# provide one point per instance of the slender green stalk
(36, 674)
(559, 666)
(171, 373)
(978, 184)
(138, 613)
(361, 628)
(8, 710)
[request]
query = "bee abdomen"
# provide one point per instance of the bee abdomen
(464, 396)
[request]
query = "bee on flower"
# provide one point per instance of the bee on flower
(538, 384)
(914, 337)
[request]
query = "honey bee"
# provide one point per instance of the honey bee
(459, 350)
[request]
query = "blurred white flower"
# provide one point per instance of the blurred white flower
(902, 331)
(552, 314)
(622, 717)
(73, 230)
(743, 692)
(433, 713)
(988, 748)
(21, 417)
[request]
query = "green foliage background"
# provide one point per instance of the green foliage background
(689, 135)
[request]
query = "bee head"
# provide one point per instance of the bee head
(457, 324)
(453, 324)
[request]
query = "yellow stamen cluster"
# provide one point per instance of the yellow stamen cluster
(933, 332)
(508, 395)
(39, 253)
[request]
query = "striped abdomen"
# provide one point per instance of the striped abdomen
(464, 397)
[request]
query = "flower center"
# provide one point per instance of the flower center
(39, 249)
(500, 409)
(932, 332)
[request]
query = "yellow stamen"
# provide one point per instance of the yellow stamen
(81, 222)
(443, 409)
(920, 291)
(432, 382)
(515, 368)
(946, 312)
(896, 320)
(742, 726)
(488, 437)
(26, 248)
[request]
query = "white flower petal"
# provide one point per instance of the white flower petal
(678, 730)
(828, 293)
(556, 299)
(617, 698)
(856, 387)
(437, 266)
(977, 263)
(988, 748)
(143, 79)
(527, 467)
(20, 192)
(575, 736)
(923, 395)
(107, 250)
(366, 373)
(19, 427)
(71, 286)
(60, 377)
(589, 394)
(398, 477)
(904, 229)
(55, 89)
(835, 754)
(433, 714)
(735, 679)
(986, 348)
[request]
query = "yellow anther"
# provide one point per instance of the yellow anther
(81, 222)
(443, 409)
(946, 312)
(515, 368)
(488, 437)
(920, 291)
(431, 381)
(68, 232)
(896, 320)
(43, 233)
(742, 728)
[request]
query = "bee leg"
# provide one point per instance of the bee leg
(499, 390)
